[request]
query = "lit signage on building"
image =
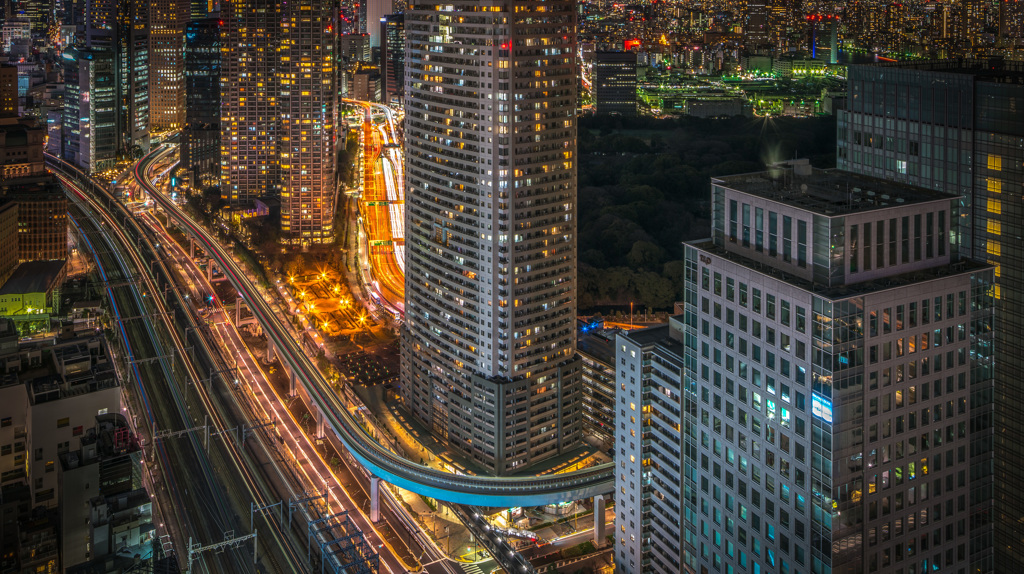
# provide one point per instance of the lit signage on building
(821, 407)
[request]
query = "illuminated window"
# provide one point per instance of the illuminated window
(995, 162)
(995, 206)
(994, 248)
(994, 227)
(994, 185)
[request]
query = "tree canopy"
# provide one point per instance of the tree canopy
(644, 189)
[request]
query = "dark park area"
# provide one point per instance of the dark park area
(644, 185)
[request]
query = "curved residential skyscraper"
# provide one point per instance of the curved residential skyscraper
(489, 349)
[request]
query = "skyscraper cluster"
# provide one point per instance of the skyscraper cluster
(107, 80)
(839, 393)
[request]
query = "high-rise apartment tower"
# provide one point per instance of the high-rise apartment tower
(489, 352)
(249, 100)
(306, 76)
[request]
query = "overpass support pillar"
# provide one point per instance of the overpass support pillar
(320, 419)
(374, 499)
(599, 522)
(209, 271)
(291, 382)
(271, 351)
(191, 245)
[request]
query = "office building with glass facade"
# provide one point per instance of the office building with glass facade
(954, 126)
(826, 395)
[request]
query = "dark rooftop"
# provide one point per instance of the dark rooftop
(995, 69)
(650, 335)
(598, 344)
(33, 277)
(828, 192)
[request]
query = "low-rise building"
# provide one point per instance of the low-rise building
(33, 290)
(596, 347)
(58, 393)
(104, 509)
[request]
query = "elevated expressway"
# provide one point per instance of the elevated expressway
(218, 482)
(382, 206)
(331, 413)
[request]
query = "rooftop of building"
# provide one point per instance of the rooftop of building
(109, 439)
(664, 336)
(33, 277)
(598, 344)
(994, 69)
(43, 186)
(16, 129)
(829, 192)
(649, 336)
(847, 290)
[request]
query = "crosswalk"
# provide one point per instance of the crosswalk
(471, 569)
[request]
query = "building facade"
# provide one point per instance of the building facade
(91, 136)
(837, 364)
(8, 90)
(392, 57)
(200, 150)
(488, 355)
(615, 83)
(306, 75)
(952, 126)
(47, 412)
(167, 19)
(133, 43)
(596, 347)
(8, 236)
(249, 101)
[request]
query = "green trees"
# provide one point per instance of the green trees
(644, 189)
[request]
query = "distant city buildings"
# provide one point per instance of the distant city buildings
(106, 115)
(489, 360)
(166, 26)
(355, 48)
(392, 57)
(8, 90)
(200, 149)
(615, 83)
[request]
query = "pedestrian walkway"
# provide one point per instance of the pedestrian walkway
(472, 569)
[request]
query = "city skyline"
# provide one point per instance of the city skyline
(511, 285)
